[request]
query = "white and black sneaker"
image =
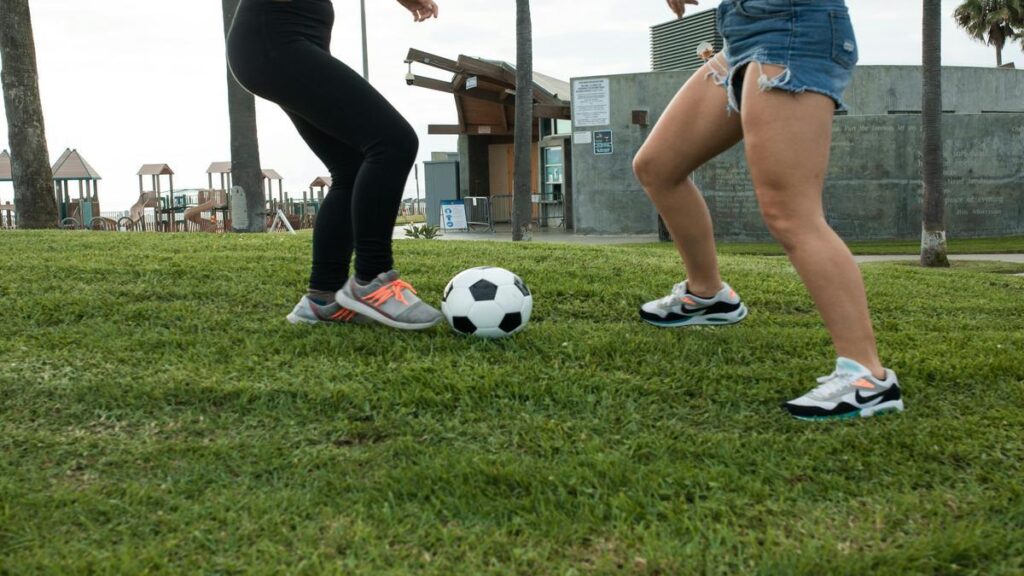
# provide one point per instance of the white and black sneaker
(849, 392)
(681, 308)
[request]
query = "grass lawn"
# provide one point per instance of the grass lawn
(410, 219)
(157, 414)
(1010, 245)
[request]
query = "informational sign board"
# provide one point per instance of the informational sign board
(453, 215)
(471, 82)
(591, 103)
(603, 142)
(584, 137)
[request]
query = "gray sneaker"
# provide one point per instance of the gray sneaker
(309, 312)
(389, 300)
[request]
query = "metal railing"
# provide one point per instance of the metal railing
(478, 212)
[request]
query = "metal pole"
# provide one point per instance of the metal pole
(416, 208)
(366, 57)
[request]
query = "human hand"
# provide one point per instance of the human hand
(421, 9)
(679, 6)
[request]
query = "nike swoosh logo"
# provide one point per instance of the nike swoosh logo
(866, 399)
(693, 311)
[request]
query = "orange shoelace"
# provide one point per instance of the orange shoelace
(385, 293)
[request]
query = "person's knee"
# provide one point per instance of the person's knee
(400, 145)
(790, 229)
(658, 174)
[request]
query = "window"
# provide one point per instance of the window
(554, 173)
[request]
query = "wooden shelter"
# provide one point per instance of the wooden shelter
(317, 187)
(484, 92)
(223, 170)
(269, 175)
(72, 167)
(155, 172)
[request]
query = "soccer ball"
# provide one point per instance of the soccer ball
(487, 302)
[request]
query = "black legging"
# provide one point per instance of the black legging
(280, 50)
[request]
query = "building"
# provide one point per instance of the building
(484, 97)
(674, 44)
(873, 187)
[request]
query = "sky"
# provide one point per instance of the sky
(131, 82)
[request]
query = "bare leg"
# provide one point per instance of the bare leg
(694, 128)
(787, 144)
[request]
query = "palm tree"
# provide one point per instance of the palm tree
(245, 146)
(993, 22)
(933, 231)
(30, 158)
(522, 211)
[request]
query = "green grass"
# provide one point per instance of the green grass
(410, 219)
(158, 415)
(1009, 245)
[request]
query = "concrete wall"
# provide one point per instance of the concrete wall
(882, 89)
(873, 189)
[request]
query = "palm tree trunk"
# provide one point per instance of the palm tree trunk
(245, 147)
(999, 56)
(522, 205)
(933, 231)
(30, 158)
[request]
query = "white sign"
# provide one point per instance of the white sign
(591, 103)
(471, 83)
(453, 215)
(582, 137)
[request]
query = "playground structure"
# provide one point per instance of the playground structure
(7, 216)
(161, 208)
(74, 214)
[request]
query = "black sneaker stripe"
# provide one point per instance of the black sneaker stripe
(716, 308)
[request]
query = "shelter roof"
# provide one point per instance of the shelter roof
(219, 168)
(485, 93)
(155, 170)
(71, 166)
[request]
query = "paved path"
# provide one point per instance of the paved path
(559, 236)
(1015, 258)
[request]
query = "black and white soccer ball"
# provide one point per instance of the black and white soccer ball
(487, 302)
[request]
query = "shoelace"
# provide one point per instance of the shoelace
(387, 292)
(829, 385)
(677, 295)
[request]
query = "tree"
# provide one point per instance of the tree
(245, 147)
(522, 211)
(993, 22)
(933, 230)
(30, 158)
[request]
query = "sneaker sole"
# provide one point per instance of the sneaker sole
(710, 320)
(884, 408)
(300, 320)
(372, 313)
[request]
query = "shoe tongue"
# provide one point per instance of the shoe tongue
(389, 276)
(852, 367)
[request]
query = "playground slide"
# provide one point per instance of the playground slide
(138, 211)
(194, 216)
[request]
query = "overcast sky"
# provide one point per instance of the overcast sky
(131, 82)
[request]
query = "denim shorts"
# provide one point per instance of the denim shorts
(812, 40)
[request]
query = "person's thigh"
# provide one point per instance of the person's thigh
(331, 96)
(696, 127)
(787, 138)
